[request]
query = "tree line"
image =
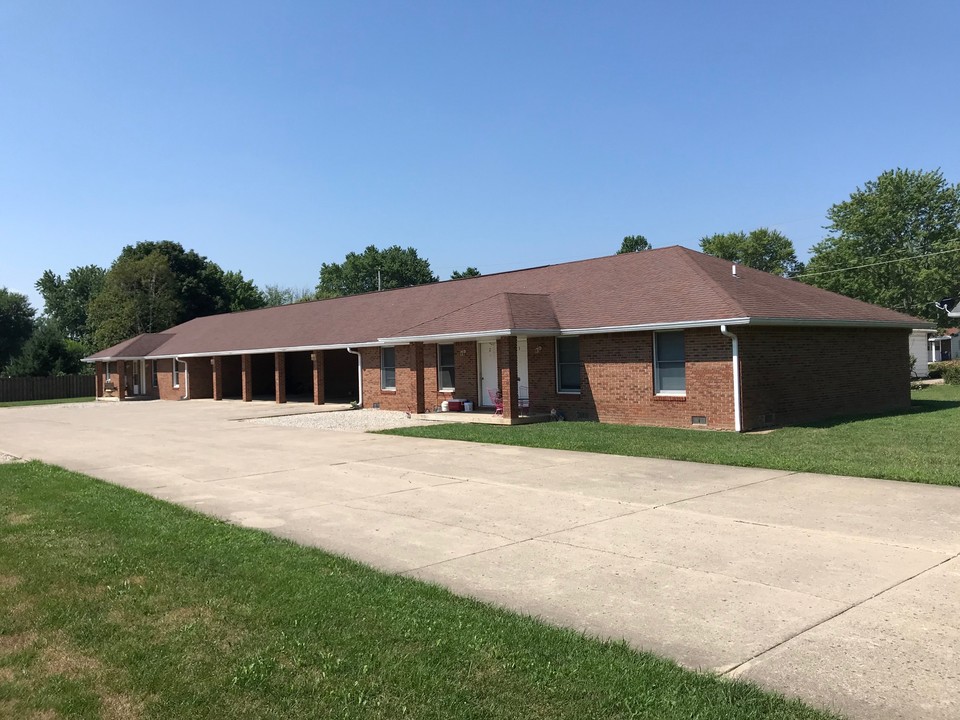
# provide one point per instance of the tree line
(152, 286)
(894, 242)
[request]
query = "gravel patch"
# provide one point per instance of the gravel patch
(348, 420)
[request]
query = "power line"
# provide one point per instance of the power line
(874, 264)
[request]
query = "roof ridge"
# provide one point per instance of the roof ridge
(692, 258)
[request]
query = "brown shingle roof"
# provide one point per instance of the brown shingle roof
(665, 286)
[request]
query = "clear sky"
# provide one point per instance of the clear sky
(275, 136)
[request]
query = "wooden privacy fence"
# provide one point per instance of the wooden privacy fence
(18, 389)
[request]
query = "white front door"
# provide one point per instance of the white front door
(522, 379)
(489, 374)
(137, 377)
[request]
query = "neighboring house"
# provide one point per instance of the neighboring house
(920, 352)
(945, 346)
(667, 337)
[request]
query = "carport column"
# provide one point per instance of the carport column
(317, 357)
(416, 362)
(121, 379)
(507, 364)
(280, 376)
(98, 369)
(217, 363)
(246, 377)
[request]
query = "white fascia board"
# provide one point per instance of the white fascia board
(759, 321)
(483, 335)
(251, 351)
(686, 324)
(793, 322)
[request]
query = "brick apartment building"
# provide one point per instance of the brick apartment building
(667, 337)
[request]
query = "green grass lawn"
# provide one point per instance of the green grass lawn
(915, 445)
(46, 402)
(115, 605)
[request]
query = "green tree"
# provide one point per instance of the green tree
(242, 294)
(16, 324)
(275, 295)
(634, 243)
(66, 300)
(199, 283)
(47, 352)
(140, 295)
(468, 273)
(397, 267)
(763, 249)
(895, 242)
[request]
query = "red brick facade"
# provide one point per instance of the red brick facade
(796, 375)
(788, 376)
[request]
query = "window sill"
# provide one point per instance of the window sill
(670, 398)
(448, 391)
(388, 390)
(568, 392)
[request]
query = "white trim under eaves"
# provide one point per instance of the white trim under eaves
(251, 351)
(656, 326)
(446, 337)
(826, 322)
(762, 321)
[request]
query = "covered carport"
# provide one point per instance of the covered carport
(316, 376)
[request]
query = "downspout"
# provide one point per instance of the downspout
(186, 379)
(737, 421)
(359, 376)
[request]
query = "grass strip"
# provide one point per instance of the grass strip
(915, 446)
(113, 604)
(24, 403)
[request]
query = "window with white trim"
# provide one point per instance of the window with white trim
(176, 373)
(153, 372)
(568, 364)
(669, 366)
(446, 371)
(106, 372)
(388, 368)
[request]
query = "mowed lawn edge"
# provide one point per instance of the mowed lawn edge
(914, 446)
(114, 604)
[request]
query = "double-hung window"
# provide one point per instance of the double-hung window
(568, 364)
(153, 372)
(446, 372)
(176, 373)
(670, 373)
(388, 368)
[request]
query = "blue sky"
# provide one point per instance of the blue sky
(273, 137)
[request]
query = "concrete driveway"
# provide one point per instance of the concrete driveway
(843, 591)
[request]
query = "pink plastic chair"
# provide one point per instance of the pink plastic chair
(497, 399)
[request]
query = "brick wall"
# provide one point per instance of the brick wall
(465, 374)
(200, 378)
(404, 397)
(795, 375)
(617, 384)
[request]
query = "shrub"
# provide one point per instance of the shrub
(950, 372)
(935, 369)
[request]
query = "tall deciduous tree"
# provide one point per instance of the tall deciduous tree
(16, 323)
(468, 273)
(66, 300)
(47, 352)
(242, 294)
(199, 282)
(895, 242)
(634, 243)
(140, 295)
(763, 249)
(397, 267)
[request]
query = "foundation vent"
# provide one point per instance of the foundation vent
(698, 420)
